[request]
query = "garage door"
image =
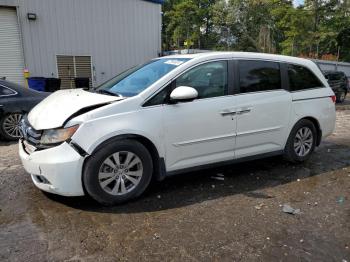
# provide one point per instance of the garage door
(11, 55)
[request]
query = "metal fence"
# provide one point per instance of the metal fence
(334, 66)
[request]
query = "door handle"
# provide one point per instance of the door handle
(226, 113)
(244, 111)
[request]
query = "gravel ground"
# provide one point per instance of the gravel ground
(191, 217)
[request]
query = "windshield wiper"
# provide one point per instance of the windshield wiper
(106, 92)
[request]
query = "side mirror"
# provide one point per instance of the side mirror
(183, 94)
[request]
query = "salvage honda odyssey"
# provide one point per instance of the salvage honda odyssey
(172, 115)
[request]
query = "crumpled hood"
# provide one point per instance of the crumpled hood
(53, 111)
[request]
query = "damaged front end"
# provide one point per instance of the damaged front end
(47, 148)
(36, 140)
(46, 126)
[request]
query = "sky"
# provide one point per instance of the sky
(298, 2)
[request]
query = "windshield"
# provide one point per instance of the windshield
(137, 79)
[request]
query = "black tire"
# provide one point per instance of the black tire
(289, 151)
(341, 96)
(3, 132)
(95, 161)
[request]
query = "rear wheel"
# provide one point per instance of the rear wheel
(9, 126)
(118, 172)
(341, 96)
(301, 141)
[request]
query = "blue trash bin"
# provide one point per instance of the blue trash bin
(37, 83)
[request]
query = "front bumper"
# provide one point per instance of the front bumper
(56, 170)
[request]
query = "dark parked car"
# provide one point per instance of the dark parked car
(15, 101)
(339, 83)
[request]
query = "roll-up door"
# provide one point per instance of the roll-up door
(11, 52)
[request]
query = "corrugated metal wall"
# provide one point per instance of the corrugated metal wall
(117, 34)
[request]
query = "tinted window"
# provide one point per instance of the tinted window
(5, 91)
(210, 79)
(255, 76)
(302, 78)
(159, 98)
(334, 76)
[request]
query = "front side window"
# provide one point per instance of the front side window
(159, 98)
(4, 91)
(137, 79)
(301, 78)
(210, 79)
(256, 76)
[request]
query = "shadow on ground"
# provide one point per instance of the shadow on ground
(7, 143)
(247, 178)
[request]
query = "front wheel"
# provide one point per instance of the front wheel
(301, 141)
(118, 172)
(9, 126)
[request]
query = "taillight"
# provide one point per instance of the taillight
(334, 98)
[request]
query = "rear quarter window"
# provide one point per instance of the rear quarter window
(301, 78)
(4, 91)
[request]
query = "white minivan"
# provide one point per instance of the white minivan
(172, 115)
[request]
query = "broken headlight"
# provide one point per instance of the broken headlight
(58, 135)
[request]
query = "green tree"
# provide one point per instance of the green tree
(184, 23)
(343, 41)
(246, 25)
(205, 23)
(315, 29)
(188, 21)
(167, 33)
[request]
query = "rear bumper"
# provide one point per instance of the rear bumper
(328, 124)
(56, 170)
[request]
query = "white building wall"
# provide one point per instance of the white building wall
(116, 33)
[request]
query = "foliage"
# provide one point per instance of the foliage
(319, 28)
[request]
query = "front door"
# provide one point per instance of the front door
(202, 131)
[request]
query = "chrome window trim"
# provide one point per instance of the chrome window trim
(14, 92)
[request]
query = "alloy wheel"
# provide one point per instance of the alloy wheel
(303, 141)
(342, 96)
(120, 173)
(11, 125)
